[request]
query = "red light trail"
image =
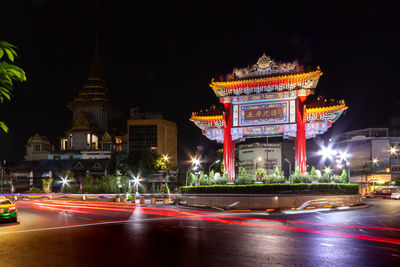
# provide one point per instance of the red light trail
(90, 207)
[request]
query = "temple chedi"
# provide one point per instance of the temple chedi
(96, 120)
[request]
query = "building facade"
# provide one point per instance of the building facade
(267, 156)
(150, 132)
(373, 154)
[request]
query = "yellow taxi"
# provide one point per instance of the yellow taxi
(8, 211)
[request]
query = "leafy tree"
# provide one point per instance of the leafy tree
(165, 189)
(344, 177)
(47, 184)
(143, 189)
(124, 183)
(192, 179)
(243, 178)
(296, 176)
(243, 173)
(161, 164)
(211, 176)
(325, 178)
(396, 181)
(87, 184)
(153, 189)
(277, 176)
(110, 184)
(157, 190)
(202, 179)
(313, 174)
(8, 74)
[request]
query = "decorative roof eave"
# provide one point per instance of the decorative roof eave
(335, 108)
(206, 118)
(208, 122)
(296, 78)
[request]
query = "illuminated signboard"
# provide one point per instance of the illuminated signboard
(264, 113)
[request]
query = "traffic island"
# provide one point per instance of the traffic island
(271, 196)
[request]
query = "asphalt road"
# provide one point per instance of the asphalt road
(58, 233)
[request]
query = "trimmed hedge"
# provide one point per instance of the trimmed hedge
(304, 188)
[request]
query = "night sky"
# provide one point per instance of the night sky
(161, 56)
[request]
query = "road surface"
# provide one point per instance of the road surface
(77, 233)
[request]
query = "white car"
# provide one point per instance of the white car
(395, 195)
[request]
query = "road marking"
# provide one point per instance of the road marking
(84, 225)
(326, 245)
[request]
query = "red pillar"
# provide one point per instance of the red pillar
(300, 143)
(229, 145)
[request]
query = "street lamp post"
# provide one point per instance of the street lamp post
(194, 168)
(209, 169)
(290, 167)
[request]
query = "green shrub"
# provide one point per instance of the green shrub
(304, 188)
(313, 174)
(221, 181)
(325, 178)
(34, 190)
(202, 179)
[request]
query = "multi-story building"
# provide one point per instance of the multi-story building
(150, 132)
(253, 156)
(373, 154)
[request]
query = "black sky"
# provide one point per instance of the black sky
(161, 56)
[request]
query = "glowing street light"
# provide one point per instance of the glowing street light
(165, 158)
(393, 150)
(326, 152)
(375, 161)
(64, 181)
(195, 161)
(343, 156)
(136, 183)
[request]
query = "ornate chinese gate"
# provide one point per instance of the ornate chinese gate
(267, 99)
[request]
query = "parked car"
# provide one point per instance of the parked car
(8, 211)
(395, 195)
(384, 193)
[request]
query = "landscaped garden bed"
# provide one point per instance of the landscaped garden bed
(283, 188)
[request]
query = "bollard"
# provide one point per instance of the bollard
(117, 199)
(124, 199)
(142, 200)
(166, 201)
(153, 200)
(83, 197)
